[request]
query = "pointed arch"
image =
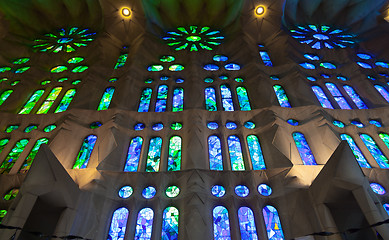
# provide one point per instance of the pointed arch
(235, 151)
(154, 155)
(226, 95)
(178, 100)
(30, 158)
(210, 99)
(375, 151)
(46, 105)
(66, 100)
(30, 104)
(243, 98)
(256, 154)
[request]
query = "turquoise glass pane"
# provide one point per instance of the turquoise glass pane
(4, 96)
(160, 105)
(170, 224)
(66, 100)
(31, 102)
(356, 151)
(13, 156)
(304, 149)
(133, 154)
(30, 158)
(264, 189)
(355, 97)
(273, 223)
(338, 96)
(385, 138)
(121, 61)
(215, 153)
(339, 124)
(243, 99)
(321, 96)
(118, 226)
(246, 223)
(381, 159)
(210, 99)
(226, 94)
(327, 65)
(144, 224)
(154, 155)
(221, 224)
(281, 96)
(106, 99)
(11, 128)
(178, 100)
(125, 192)
(235, 151)
(144, 104)
(85, 152)
(383, 92)
(256, 155)
(376, 123)
(30, 128)
(46, 105)
(266, 58)
(174, 160)
(3, 143)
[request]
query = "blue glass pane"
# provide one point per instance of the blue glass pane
(232, 67)
(311, 57)
(364, 65)
(149, 192)
(266, 58)
(386, 207)
(382, 64)
(218, 191)
(325, 75)
(160, 105)
(231, 125)
(327, 65)
(144, 224)
(275, 78)
(338, 96)
(325, 103)
(242, 191)
(210, 99)
(264, 190)
(355, 97)
(281, 96)
(213, 125)
(144, 104)
(178, 100)
(170, 224)
(235, 151)
(85, 152)
(226, 98)
(106, 99)
(273, 223)
(154, 155)
(179, 80)
(247, 224)
(375, 151)
(221, 224)
(293, 122)
(174, 159)
(342, 78)
(209, 80)
(377, 188)
(376, 123)
(358, 124)
(312, 79)
(364, 56)
(125, 192)
(139, 126)
(118, 224)
(215, 153)
(220, 58)
(383, 92)
(307, 65)
(211, 67)
(256, 154)
(339, 124)
(133, 155)
(158, 127)
(304, 149)
(356, 151)
(249, 125)
(243, 99)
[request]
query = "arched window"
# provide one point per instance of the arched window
(154, 155)
(256, 155)
(265, 56)
(380, 158)
(144, 224)
(226, 94)
(160, 105)
(66, 100)
(106, 99)
(210, 99)
(215, 153)
(281, 96)
(121, 60)
(247, 224)
(30, 104)
(221, 223)
(85, 152)
(338, 96)
(382, 91)
(174, 160)
(46, 105)
(304, 149)
(3, 143)
(178, 100)
(170, 223)
(273, 223)
(355, 97)
(384, 137)
(321, 96)
(118, 226)
(5, 95)
(27, 163)
(133, 155)
(236, 156)
(13, 156)
(356, 151)
(243, 99)
(386, 207)
(144, 104)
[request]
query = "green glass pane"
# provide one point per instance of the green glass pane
(59, 69)
(243, 99)
(4, 69)
(3, 79)
(49, 100)
(3, 143)
(21, 60)
(174, 159)
(167, 59)
(106, 99)
(14, 83)
(49, 128)
(66, 100)
(239, 80)
(11, 194)
(43, 83)
(79, 69)
(149, 80)
(11, 128)
(4, 96)
(176, 126)
(31, 102)
(30, 128)
(385, 138)
(85, 152)
(176, 68)
(113, 80)
(75, 60)
(27, 163)
(121, 61)
(2, 214)
(13, 156)
(154, 155)
(75, 82)
(155, 68)
(22, 70)
(62, 79)
(172, 191)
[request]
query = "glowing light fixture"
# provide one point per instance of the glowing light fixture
(260, 10)
(126, 12)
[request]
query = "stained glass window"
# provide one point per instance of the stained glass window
(281, 96)
(155, 68)
(176, 68)
(355, 97)
(327, 65)
(221, 223)
(158, 127)
(218, 191)
(66, 100)
(154, 155)
(256, 155)
(382, 91)
(210, 99)
(232, 67)
(357, 123)
(249, 125)
(231, 125)
(385, 138)
(11, 128)
(273, 223)
(79, 69)
(30, 128)
(3, 143)
(30, 158)
(226, 94)
(121, 60)
(176, 126)
(386, 207)
(49, 128)
(339, 124)
(144, 224)
(247, 224)
(46, 105)
(242, 191)
(125, 192)
(243, 99)
(215, 153)
(307, 65)
(11, 194)
(382, 64)
(144, 104)
(2, 214)
(264, 189)
(304, 149)
(149, 192)
(133, 154)
(375, 122)
(85, 152)
(5, 95)
(364, 65)
(174, 160)
(178, 100)
(118, 226)
(213, 125)
(338, 96)
(377, 188)
(356, 151)
(172, 191)
(170, 224)
(160, 105)
(13, 156)
(321, 96)
(31, 102)
(139, 127)
(236, 156)
(265, 58)
(381, 159)
(106, 99)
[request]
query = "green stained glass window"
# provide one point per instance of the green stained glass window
(21, 60)
(155, 68)
(46, 105)
(2, 214)
(106, 99)
(11, 194)
(66, 100)
(176, 126)
(13, 156)
(167, 59)
(4, 69)
(154, 155)
(49, 128)
(385, 138)
(170, 223)
(58, 69)
(30, 128)
(75, 82)
(27, 163)
(62, 79)
(5, 95)
(43, 83)
(176, 68)
(79, 69)
(75, 60)
(22, 69)
(113, 80)
(174, 160)
(85, 152)
(11, 128)
(243, 99)
(178, 100)
(3, 143)
(14, 83)
(172, 191)
(4, 79)
(121, 61)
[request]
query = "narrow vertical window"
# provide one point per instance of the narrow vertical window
(243, 99)
(144, 104)
(154, 155)
(210, 99)
(30, 158)
(85, 152)
(382, 91)
(356, 151)
(247, 224)
(304, 149)
(256, 155)
(265, 56)
(215, 153)
(133, 155)
(338, 96)
(321, 96)
(380, 158)
(5, 95)
(355, 97)
(66, 100)
(118, 226)
(178, 100)
(170, 223)
(228, 105)
(236, 156)
(221, 224)
(384, 137)
(273, 223)
(121, 60)
(13, 156)
(46, 105)
(3, 143)
(30, 104)
(281, 96)
(144, 224)
(174, 160)
(160, 105)
(106, 99)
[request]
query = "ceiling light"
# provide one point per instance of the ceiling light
(260, 10)
(126, 12)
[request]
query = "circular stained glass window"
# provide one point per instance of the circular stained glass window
(172, 191)
(339, 124)
(242, 191)
(232, 67)
(231, 125)
(208, 80)
(218, 191)
(158, 127)
(149, 192)
(176, 126)
(293, 122)
(139, 126)
(264, 190)
(125, 192)
(213, 125)
(377, 188)
(95, 125)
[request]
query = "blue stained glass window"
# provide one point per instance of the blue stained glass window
(178, 100)
(386, 207)
(226, 94)
(218, 191)
(364, 65)
(376, 123)
(144, 104)
(307, 65)
(154, 155)
(158, 127)
(357, 123)
(106, 99)
(249, 125)
(243, 99)
(342, 78)
(242, 191)
(356, 151)
(312, 57)
(325, 75)
(381, 159)
(236, 156)
(125, 192)
(160, 105)
(382, 64)
(339, 124)
(364, 56)
(377, 188)
(213, 125)
(382, 91)
(264, 189)
(327, 65)
(355, 97)
(293, 122)
(210, 99)
(304, 149)
(211, 67)
(133, 154)
(221, 224)
(266, 58)
(170, 223)
(231, 125)
(144, 224)
(139, 127)
(256, 154)
(118, 224)
(85, 152)
(215, 153)
(149, 192)
(232, 67)
(312, 79)
(338, 96)
(220, 58)
(247, 224)
(273, 223)
(180, 80)
(281, 96)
